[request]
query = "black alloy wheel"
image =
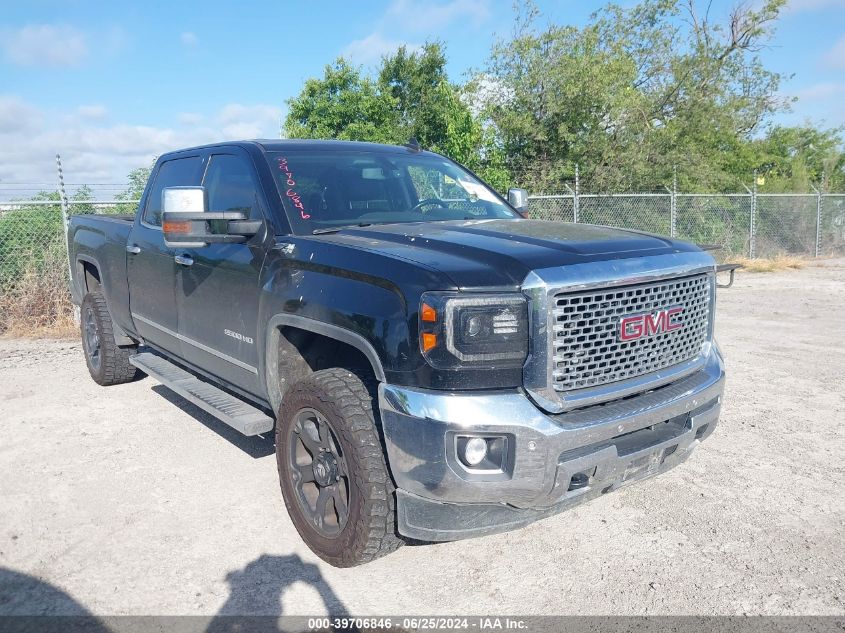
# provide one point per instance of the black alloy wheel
(319, 472)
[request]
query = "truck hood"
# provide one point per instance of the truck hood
(500, 253)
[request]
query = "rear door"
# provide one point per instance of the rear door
(218, 293)
(151, 271)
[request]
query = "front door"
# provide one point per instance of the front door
(151, 270)
(218, 288)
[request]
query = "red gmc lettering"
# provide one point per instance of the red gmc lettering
(634, 327)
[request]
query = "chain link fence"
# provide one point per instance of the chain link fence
(33, 256)
(34, 294)
(750, 224)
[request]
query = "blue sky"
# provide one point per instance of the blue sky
(110, 85)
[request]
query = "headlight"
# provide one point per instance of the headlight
(482, 330)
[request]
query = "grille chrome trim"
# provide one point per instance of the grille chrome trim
(586, 346)
(542, 287)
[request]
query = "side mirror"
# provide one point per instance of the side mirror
(187, 223)
(518, 199)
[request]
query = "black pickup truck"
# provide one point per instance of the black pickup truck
(435, 365)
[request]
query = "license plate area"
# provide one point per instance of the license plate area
(646, 465)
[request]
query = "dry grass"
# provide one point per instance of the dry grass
(769, 265)
(38, 305)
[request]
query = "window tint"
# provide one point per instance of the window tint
(322, 190)
(181, 172)
(230, 186)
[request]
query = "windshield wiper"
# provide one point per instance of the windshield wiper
(335, 229)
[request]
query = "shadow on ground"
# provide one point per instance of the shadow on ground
(254, 602)
(22, 594)
(256, 446)
(257, 589)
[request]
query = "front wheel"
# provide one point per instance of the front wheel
(332, 471)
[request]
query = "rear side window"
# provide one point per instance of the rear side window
(180, 172)
(230, 186)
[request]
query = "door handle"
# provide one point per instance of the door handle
(184, 260)
(133, 249)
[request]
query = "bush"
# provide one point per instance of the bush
(38, 302)
(29, 238)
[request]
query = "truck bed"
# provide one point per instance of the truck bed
(103, 216)
(101, 240)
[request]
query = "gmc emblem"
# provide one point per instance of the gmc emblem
(639, 326)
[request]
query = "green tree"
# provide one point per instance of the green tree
(344, 105)
(411, 96)
(427, 106)
(796, 158)
(137, 182)
(633, 95)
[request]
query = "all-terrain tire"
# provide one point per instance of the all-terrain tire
(343, 399)
(107, 363)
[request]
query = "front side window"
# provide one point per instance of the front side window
(329, 189)
(180, 172)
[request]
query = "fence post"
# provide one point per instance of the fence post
(62, 193)
(751, 229)
(818, 220)
(673, 216)
(673, 206)
(65, 206)
(575, 203)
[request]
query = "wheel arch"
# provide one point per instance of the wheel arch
(284, 350)
(86, 269)
(88, 277)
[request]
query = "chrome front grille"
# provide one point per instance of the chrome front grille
(586, 349)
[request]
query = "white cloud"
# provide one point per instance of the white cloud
(411, 20)
(249, 121)
(796, 6)
(835, 57)
(820, 91)
(190, 118)
(372, 48)
(189, 39)
(96, 152)
(487, 91)
(423, 15)
(94, 112)
(17, 116)
(44, 45)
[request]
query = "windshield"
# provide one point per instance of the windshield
(325, 190)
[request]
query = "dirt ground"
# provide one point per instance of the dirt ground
(128, 500)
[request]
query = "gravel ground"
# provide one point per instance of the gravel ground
(128, 500)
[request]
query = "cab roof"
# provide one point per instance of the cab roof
(281, 145)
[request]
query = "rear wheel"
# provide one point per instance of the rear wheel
(107, 363)
(332, 471)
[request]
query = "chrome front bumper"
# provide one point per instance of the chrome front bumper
(599, 448)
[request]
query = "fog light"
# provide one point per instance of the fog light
(475, 451)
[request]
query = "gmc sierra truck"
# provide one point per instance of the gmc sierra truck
(434, 364)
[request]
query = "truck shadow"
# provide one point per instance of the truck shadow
(256, 446)
(22, 594)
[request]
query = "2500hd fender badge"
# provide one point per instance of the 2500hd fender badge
(240, 337)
